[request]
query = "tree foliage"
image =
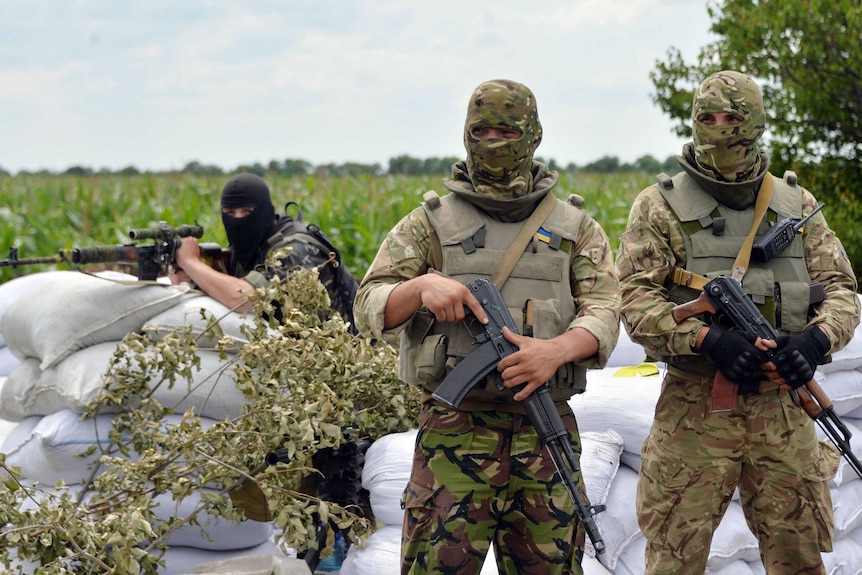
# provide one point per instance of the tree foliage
(806, 55)
(310, 386)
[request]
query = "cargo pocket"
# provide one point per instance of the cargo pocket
(660, 489)
(431, 359)
(816, 477)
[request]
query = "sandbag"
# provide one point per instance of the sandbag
(79, 378)
(188, 313)
(215, 533)
(52, 448)
(843, 388)
(79, 310)
(623, 404)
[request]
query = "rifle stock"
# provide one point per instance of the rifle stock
(726, 298)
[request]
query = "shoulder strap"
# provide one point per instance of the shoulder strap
(519, 244)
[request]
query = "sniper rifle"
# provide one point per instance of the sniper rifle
(540, 407)
(151, 260)
(724, 297)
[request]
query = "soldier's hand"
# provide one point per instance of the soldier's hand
(798, 355)
(446, 299)
(733, 353)
(533, 364)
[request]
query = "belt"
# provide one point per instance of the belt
(763, 386)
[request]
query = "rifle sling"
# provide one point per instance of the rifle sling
(519, 244)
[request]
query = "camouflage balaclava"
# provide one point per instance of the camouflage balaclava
(497, 167)
(246, 235)
(729, 153)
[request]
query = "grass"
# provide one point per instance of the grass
(43, 214)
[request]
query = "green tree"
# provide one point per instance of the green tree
(806, 56)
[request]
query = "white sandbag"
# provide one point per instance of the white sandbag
(8, 361)
(16, 388)
(847, 508)
(623, 404)
(188, 313)
(214, 533)
(626, 351)
(732, 541)
(843, 388)
(54, 448)
(738, 567)
(78, 379)
(617, 523)
(600, 461)
(385, 474)
(15, 288)
(381, 554)
(845, 559)
(79, 310)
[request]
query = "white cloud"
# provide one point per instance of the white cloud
(156, 84)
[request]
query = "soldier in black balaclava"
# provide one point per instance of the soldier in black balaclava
(249, 220)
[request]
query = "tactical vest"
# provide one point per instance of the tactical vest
(713, 236)
(311, 247)
(472, 245)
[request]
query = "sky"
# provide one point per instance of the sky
(157, 84)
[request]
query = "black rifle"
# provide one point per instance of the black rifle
(540, 407)
(724, 297)
(151, 260)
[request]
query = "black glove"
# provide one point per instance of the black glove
(733, 353)
(797, 355)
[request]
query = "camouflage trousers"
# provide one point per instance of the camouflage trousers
(693, 460)
(480, 478)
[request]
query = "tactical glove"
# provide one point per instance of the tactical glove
(797, 355)
(733, 353)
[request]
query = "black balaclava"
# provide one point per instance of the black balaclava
(247, 235)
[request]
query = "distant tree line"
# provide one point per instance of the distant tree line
(403, 165)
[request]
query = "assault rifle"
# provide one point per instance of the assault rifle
(150, 260)
(539, 405)
(724, 297)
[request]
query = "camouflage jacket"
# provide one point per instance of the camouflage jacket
(405, 254)
(654, 243)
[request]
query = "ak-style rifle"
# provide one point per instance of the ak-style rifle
(724, 297)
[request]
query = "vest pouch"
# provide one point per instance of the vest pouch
(431, 359)
(411, 338)
(547, 324)
(792, 300)
(546, 320)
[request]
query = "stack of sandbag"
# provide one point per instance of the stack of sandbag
(622, 398)
(63, 328)
(387, 470)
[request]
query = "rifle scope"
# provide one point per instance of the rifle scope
(165, 232)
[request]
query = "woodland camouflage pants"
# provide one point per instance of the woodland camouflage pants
(483, 477)
(694, 459)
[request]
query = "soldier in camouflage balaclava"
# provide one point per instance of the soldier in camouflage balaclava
(497, 167)
(728, 153)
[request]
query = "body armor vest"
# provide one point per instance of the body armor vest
(472, 245)
(714, 235)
